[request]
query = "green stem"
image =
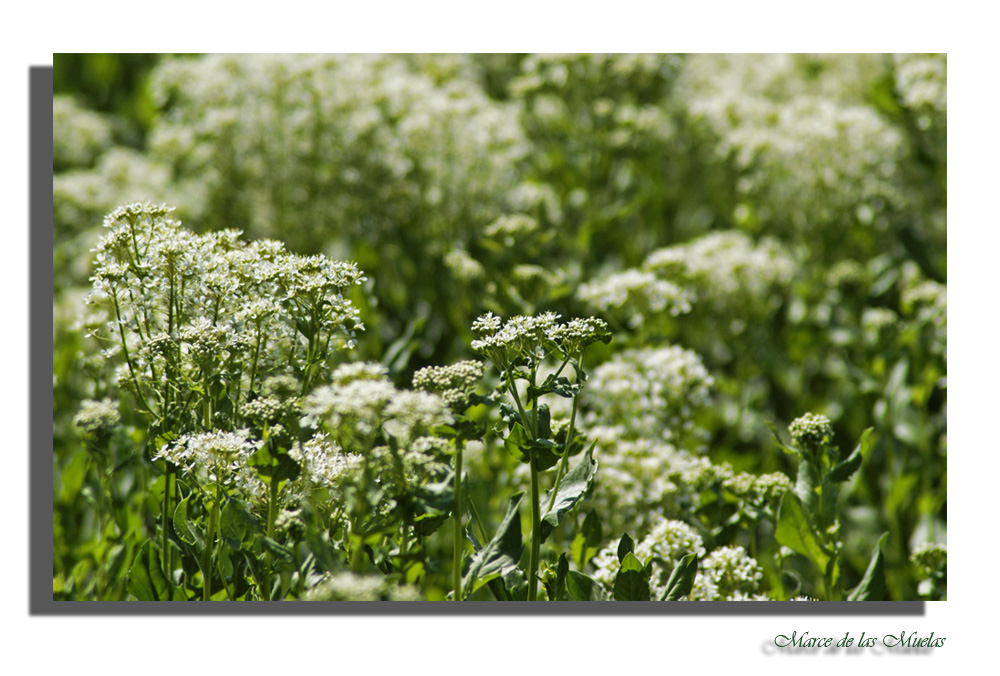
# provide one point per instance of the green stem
(459, 545)
(99, 471)
(536, 535)
(213, 524)
(272, 517)
(164, 540)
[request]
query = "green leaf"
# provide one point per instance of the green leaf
(73, 474)
(795, 531)
(274, 463)
(499, 556)
(625, 546)
(187, 531)
(681, 579)
(284, 558)
(562, 570)
(146, 580)
(806, 482)
(631, 583)
(583, 588)
(555, 385)
(872, 586)
(517, 442)
(781, 445)
(236, 523)
(844, 470)
(588, 541)
(544, 422)
(572, 489)
(516, 584)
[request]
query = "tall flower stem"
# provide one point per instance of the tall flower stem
(457, 517)
(536, 535)
(213, 525)
(272, 517)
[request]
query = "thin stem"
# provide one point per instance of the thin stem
(128, 359)
(272, 517)
(520, 408)
(536, 535)
(213, 524)
(459, 544)
(164, 540)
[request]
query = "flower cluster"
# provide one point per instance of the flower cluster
(97, 417)
(212, 311)
(323, 464)
(654, 393)
(930, 558)
(362, 403)
(221, 458)
(812, 156)
(922, 84)
(730, 274)
(666, 544)
(79, 136)
(453, 383)
(520, 337)
(811, 432)
(636, 295)
(367, 143)
(640, 479)
(727, 574)
(762, 489)
(347, 586)
(614, 100)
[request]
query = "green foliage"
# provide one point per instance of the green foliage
(245, 415)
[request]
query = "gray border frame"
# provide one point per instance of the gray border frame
(40, 487)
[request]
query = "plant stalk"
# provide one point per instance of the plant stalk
(536, 535)
(459, 545)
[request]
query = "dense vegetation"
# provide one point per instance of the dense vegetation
(564, 327)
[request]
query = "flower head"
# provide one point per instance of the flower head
(97, 417)
(811, 432)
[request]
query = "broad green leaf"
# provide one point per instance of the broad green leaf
(806, 481)
(236, 523)
(795, 531)
(73, 474)
(544, 422)
(588, 541)
(631, 583)
(844, 470)
(516, 584)
(562, 570)
(517, 442)
(872, 586)
(146, 580)
(431, 505)
(572, 489)
(583, 588)
(681, 579)
(499, 556)
(186, 530)
(274, 463)
(625, 546)
(284, 558)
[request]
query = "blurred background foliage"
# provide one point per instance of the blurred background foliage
(765, 233)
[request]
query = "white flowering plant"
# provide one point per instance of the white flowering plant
(375, 363)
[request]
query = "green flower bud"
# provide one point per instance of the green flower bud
(811, 432)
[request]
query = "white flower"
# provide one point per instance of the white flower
(728, 573)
